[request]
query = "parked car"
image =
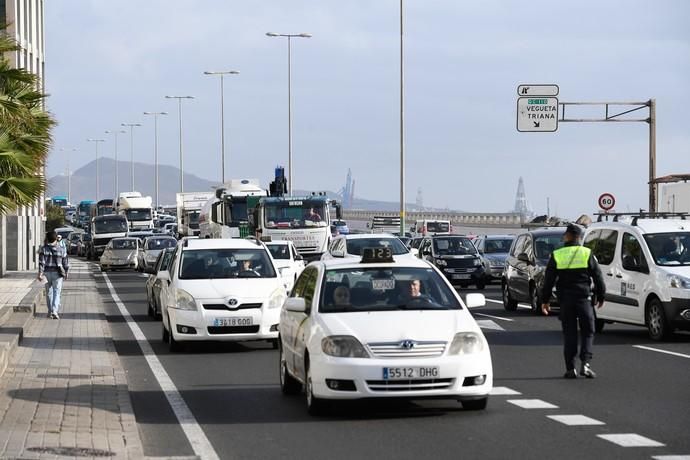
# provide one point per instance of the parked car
(525, 266)
(151, 247)
(154, 284)
(84, 243)
(456, 257)
(122, 253)
(646, 268)
(494, 250)
(287, 259)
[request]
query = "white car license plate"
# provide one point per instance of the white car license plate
(243, 321)
(462, 277)
(407, 373)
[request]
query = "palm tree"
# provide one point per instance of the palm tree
(25, 133)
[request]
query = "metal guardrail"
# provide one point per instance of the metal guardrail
(505, 220)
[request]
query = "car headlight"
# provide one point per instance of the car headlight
(277, 299)
(466, 343)
(477, 262)
(441, 262)
(679, 282)
(184, 300)
(343, 346)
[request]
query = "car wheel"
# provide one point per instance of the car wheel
(481, 285)
(149, 310)
(165, 334)
(157, 312)
(274, 343)
(534, 301)
(475, 404)
(173, 345)
(599, 325)
(657, 325)
(288, 384)
(509, 303)
(315, 406)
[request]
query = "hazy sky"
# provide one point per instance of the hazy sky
(107, 62)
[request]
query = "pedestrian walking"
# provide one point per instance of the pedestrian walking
(572, 268)
(53, 265)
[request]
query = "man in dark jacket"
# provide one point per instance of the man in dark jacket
(572, 269)
(53, 265)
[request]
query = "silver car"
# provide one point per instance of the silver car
(494, 250)
(121, 253)
(153, 246)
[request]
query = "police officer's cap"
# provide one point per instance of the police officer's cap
(574, 230)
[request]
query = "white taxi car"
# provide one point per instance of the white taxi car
(220, 289)
(349, 248)
(380, 328)
(287, 259)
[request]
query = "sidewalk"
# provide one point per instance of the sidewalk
(64, 392)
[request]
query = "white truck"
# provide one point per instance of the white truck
(104, 229)
(189, 205)
(224, 215)
(138, 210)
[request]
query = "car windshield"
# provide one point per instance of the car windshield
(544, 245)
(64, 235)
(225, 263)
(138, 214)
(279, 251)
(110, 226)
(160, 243)
(669, 249)
(124, 243)
(438, 227)
(496, 246)
(385, 289)
(356, 245)
(453, 246)
(295, 214)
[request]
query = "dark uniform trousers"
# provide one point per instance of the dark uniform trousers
(574, 311)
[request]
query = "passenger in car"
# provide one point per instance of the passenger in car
(341, 296)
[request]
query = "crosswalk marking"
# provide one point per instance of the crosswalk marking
(532, 404)
(630, 440)
(503, 391)
(575, 420)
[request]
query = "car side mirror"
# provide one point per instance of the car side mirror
(164, 275)
(337, 253)
(299, 257)
(475, 300)
(150, 270)
(296, 304)
(523, 257)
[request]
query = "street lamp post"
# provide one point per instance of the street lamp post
(402, 129)
(289, 42)
(222, 119)
(155, 147)
(179, 114)
(117, 165)
(98, 168)
(131, 151)
(69, 175)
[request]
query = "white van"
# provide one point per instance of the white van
(646, 267)
(427, 227)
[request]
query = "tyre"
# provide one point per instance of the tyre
(509, 303)
(274, 343)
(599, 325)
(475, 404)
(534, 301)
(288, 384)
(315, 406)
(165, 334)
(658, 327)
(149, 310)
(173, 345)
(481, 285)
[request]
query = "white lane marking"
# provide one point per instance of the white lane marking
(195, 435)
(575, 420)
(671, 457)
(630, 440)
(494, 301)
(492, 316)
(532, 404)
(520, 305)
(499, 391)
(662, 351)
(488, 324)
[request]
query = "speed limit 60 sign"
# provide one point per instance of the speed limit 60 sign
(607, 201)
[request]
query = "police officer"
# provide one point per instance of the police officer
(572, 269)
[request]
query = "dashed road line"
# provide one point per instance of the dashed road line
(575, 420)
(658, 350)
(520, 305)
(671, 457)
(491, 316)
(195, 435)
(503, 391)
(532, 404)
(630, 440)
(488, 324)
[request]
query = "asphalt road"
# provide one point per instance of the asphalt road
(232, 391)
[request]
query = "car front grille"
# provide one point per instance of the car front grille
(387, 386)
(460, 270)
(101, 241)
(221, 306)
(467, 262)
(307, 249)
(403, 350)
(233, 329)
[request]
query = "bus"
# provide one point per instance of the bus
(59, 201)
(84, 211)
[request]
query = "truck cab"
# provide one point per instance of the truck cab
(225, 215)
(104, 229)
(137, 209)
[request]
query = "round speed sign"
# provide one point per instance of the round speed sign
(607, 201)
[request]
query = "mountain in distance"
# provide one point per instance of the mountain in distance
(83, 185)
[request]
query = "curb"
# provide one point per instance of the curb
(13, 322)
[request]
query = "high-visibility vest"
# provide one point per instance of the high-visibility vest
(572, 257)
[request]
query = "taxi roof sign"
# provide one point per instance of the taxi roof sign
(377, 255)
